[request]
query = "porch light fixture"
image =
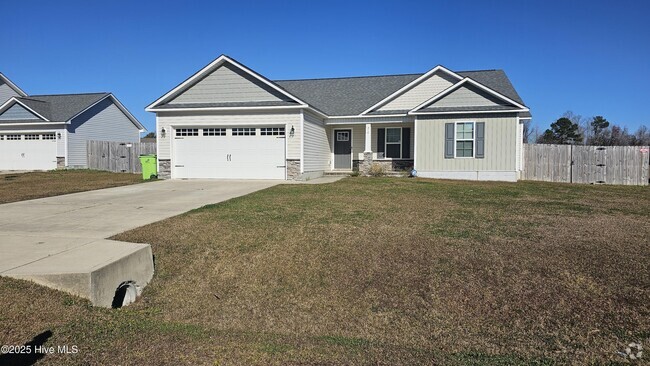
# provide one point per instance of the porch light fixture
(163, 132)
(292, 131)
(58, 135)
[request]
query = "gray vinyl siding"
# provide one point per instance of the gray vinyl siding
(103, 122)
(420, 93)
(17, 112)
(169, 120)
(228, 84)
(316, 145)
(6, 92)
(468, 97)
(500, 144)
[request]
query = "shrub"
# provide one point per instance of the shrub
(376, 170)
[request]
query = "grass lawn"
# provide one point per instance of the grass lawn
(373, 271)
(27, 186)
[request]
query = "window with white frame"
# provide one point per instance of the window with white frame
(244, 131)
(272, 131)
(31, 137)
(187, 132)
(464, 139)
(214, 132)
(49, 136)
(342, 135)
(13, 137)
(393, 143)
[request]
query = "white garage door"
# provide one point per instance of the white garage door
(28, 151)
(229, 152)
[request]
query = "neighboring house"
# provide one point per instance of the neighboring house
(43, 132)
(227, 121)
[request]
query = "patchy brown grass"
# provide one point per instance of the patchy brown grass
(373, 271)
(27, 186)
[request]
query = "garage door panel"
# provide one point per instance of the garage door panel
(24, 154)
(230, 157)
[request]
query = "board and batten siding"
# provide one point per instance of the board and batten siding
(171, 120)
(228, 84)
(499, 163)
(421, 92)
(102, 122)
(316, 145)
(6, 92)
(18, 112)
(468, 96)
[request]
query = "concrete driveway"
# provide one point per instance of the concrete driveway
(60, 241)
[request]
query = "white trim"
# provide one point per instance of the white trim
(211, 67)
(351, 146)
(415, 143)
(302, 142)
(371, 122)
(411, 85)
(225, 108)
(386, 143)
(370, 116)
(64, 135)
(457, 86)
(368, 138)
(468, 112)
(473, 140)
(31, 124)
(4, 106)
(12, 85)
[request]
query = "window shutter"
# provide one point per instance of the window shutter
(480, 140)
(406, 143)
(381, 133)
(449, 140)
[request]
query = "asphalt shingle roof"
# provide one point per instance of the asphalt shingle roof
(61, 107)
(228, 104)
(353, 95)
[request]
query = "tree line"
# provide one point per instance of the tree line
(573, 129)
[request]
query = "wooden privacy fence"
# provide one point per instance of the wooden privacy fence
(586, 164)
(119, 157)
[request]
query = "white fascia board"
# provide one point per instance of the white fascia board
(14, 99)
(31, 124)
(209, 68)
(368, 116)
(224, 108)
(12, 85)
(469, 112)
(457, 86)
(411, 85)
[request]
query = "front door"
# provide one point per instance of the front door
(343, 149)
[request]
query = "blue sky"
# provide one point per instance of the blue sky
(590, 57)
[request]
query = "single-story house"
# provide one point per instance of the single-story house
(228, 121)
(43, 132)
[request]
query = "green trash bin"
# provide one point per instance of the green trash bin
(149, 166)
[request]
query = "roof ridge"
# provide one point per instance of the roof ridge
(54, 95)
(33, 100)
(349, 77)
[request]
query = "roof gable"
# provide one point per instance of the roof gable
(468, 95)
(421, 92)
(63, 107)
(18, 112)
(439, 70)
(228, 84)
(5, 80)
(222, 83)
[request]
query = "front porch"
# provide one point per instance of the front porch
(384, 147)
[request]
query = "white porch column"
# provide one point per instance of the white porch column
(368, 138)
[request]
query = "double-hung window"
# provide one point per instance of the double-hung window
(394, 143)
(464, 139)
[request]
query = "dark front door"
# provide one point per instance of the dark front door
(343, 149)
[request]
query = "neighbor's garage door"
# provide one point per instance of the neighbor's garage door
(28, 151)
(229, 152)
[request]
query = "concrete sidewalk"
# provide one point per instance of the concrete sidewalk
(60, 241)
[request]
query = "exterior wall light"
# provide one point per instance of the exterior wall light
(58, 135)
(163, 132)
(292, 131)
